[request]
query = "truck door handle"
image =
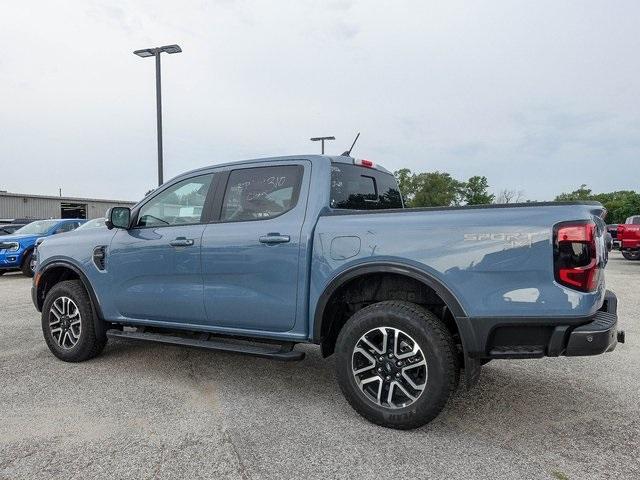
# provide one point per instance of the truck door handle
(181, 242)
(272, 238)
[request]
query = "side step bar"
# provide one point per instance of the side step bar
(284, 353)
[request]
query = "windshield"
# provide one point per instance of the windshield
(95, 223)
(39, 227)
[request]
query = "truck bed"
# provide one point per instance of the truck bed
(495, 259)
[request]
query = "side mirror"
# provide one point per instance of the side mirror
(118, 217)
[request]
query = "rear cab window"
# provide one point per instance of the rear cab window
(360, 188)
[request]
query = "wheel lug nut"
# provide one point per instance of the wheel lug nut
(379, 369)
(391, 355)
(398, 363)
(381, 358)
(387, 378)
(398, 375)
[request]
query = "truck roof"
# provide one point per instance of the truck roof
(312, 158)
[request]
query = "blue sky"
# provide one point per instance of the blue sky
(538, 96)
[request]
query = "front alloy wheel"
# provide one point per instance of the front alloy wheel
(69, 323)
(65, 322)
(389, 367)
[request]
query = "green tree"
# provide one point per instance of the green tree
(429, 189)
(476, 191)
(582, 193)
(619, 205)
(405, 182)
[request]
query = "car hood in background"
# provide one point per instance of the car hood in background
(17, 238)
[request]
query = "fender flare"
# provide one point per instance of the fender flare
(99, 322)
(427, 279)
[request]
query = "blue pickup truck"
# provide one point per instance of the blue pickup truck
(256, 256)
(16, 249)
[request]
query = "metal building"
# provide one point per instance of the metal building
(18, 205)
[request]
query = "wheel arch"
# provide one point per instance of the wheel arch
(353, 273)
(322, 321)
(58, 271)
(25, 254)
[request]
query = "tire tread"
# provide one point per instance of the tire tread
(440, 335)
(93, 343)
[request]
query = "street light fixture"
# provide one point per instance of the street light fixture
(155, 52)
(321, 139)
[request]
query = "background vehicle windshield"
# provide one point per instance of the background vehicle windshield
(39, 227)
(95, 223)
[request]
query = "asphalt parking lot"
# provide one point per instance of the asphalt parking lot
(152, 411)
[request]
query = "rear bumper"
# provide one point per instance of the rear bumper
(598, 336)
(538, 337)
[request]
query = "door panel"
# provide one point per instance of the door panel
(250, 258)
(154, 280)
(155, 267)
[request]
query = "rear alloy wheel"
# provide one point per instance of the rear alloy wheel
(631, 255)
(69, 323)
(396, 364)
(389, 367)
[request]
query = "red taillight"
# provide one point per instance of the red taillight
(576, 256)
(577, 233)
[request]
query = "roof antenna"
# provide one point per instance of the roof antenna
(348, 152)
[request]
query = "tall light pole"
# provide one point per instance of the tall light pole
(321, 139)
(155, 52)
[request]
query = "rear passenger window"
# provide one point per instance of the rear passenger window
(261, 193)
(359, 188)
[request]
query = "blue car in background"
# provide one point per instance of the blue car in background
(16, 250)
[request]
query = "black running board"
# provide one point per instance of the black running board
(285, 351)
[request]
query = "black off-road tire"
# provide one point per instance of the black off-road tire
(90, 343)
(437, 345)
(26, 265)
(631, 255)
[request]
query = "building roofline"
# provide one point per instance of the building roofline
(54, 197)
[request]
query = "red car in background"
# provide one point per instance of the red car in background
(629, 238)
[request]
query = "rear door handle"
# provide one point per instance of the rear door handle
(181, 242)
(274, 238)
